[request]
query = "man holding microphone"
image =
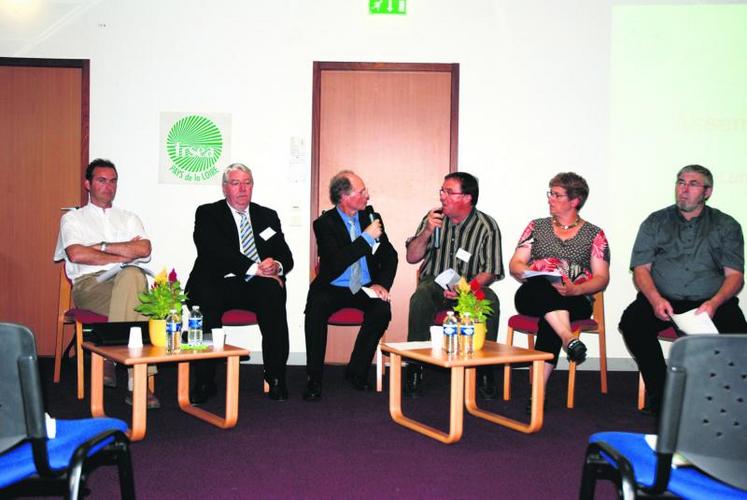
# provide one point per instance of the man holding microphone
(453, 236)
(357, 264)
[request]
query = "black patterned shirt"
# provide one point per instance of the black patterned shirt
(572, 257)
(478, 235)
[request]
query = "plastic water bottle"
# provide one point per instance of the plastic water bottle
(173, 332)
(466, 334)
(450, 333)
(194, 337)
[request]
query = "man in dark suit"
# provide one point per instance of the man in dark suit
(242, 261)
(357, 264)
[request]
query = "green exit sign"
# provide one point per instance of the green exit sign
(387, 6)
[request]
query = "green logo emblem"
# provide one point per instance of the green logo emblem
(194, 145)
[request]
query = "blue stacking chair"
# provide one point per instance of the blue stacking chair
(703, 418)
(31, 463)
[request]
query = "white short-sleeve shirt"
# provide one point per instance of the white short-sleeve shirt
(90, 225)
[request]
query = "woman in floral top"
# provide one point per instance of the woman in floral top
(576, 254)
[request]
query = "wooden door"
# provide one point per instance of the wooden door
(395, 125)
(44, 144)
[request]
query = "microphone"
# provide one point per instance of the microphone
(437, 233)
(371, 215)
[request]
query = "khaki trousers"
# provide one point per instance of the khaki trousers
(115, 298)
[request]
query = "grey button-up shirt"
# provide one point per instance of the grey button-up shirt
(688, 257)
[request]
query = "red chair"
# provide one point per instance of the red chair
(67, 315)
(529, 325)
(668, 335)
(347, 316)
(242, 317)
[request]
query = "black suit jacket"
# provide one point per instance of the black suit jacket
(217, 240)
(337, 252)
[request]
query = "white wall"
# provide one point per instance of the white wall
(534, 100)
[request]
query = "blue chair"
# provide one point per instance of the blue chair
(703, 418)
(31, 463)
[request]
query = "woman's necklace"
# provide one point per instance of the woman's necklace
(566, 227)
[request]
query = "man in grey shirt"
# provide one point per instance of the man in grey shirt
(686, 256)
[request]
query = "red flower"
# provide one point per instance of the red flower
(479, 294)
(172, 276)
(474, 285)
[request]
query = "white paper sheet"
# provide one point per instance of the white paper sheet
(692, 324)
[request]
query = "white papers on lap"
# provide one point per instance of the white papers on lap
(551, 276)
(369, 291)
(448, 279)
(693, 324)
(114, 270)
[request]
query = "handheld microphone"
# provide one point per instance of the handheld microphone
(437, 233)
(371, 215)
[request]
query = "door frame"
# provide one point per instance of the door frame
(319, 67)
(85, 70)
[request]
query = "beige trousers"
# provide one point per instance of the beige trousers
(115, 298)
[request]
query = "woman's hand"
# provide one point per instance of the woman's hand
(566, 288)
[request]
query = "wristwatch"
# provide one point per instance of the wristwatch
(103, 246)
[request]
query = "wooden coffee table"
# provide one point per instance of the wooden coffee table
(463, 387)
(140, 358)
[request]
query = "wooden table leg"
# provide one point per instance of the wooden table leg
(97, 385)
(139, 402)
(456, 412)
(232, 396)
(538, 402)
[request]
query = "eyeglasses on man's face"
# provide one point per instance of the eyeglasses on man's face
(681, 183)
(555, 195)
(449, 192)
(235, 183)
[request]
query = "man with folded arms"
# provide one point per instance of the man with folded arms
(242, 261)
(686, 256)
(95, 238)
(357, 264)
(453, 236)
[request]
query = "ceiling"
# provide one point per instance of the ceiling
(25, 23)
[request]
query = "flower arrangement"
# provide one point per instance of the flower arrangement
(471, 299)
(165, 294)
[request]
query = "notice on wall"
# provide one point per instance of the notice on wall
(192, 146)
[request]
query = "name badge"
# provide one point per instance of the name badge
(463, 255)
(267, 233)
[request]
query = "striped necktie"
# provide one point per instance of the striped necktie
(246, 235)
(355, 268)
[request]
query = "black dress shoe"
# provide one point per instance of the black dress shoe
(359, 383)
(313, 391)
(201, 393)
(414, 381)
(278, 390)
(576, 351)
(486, 387)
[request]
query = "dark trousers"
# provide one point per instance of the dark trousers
(640, 326)
(321, 302)
(266, 298)
(536, 297)
(428, 299)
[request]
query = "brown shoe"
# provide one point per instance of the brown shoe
(110, 374)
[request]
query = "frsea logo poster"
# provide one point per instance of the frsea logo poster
(192, 146)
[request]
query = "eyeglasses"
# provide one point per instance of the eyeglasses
(555, 196)
(235, 184)
(449, 192)
(692, 184)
